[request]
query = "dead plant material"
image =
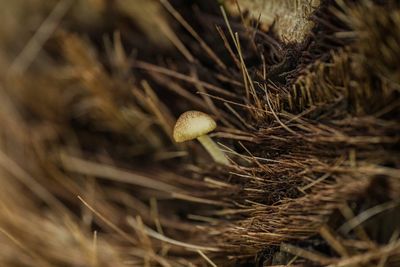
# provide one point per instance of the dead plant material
(306, 99)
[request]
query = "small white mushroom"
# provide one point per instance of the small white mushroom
(196, 125)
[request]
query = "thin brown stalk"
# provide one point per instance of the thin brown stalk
(189, 28)
(132, 222)
(312, 256)
(42, 34)
(165, 71)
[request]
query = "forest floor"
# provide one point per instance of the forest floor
(305, 95)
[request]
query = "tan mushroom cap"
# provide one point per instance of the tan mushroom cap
(191, 125)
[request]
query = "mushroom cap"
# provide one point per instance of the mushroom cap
(191, 125)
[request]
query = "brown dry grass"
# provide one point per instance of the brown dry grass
(89, 94)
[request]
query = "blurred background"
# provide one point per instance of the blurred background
(306, 99)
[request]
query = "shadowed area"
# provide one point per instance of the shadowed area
(305, 96)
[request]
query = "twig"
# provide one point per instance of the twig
(367, 214)
(163, 238)
(110, 172)
(312, 256)
(189, 28)
(367, 257)
(43, 33)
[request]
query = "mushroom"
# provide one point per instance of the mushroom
(196, 124)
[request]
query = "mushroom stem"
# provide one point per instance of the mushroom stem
(213, 149)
